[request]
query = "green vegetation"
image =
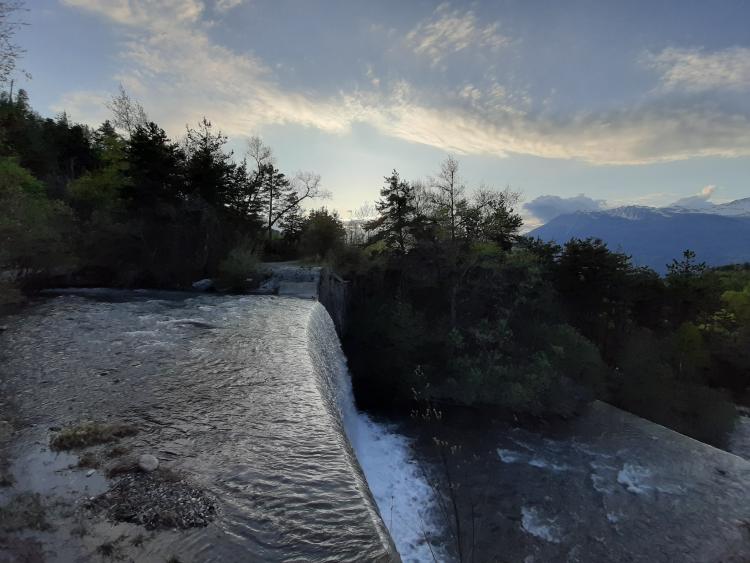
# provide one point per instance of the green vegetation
(124, 205)
(451, 304)
(90, 434)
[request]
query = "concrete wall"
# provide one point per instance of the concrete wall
(334, 293)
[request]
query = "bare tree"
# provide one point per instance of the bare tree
(10, 51)
(127, 113)
(424, 199)
(259, 152)
(304, 185)
(281, 195)
(355, 232)
(365, 212)
(449, 193)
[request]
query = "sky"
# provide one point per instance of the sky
(585, 103)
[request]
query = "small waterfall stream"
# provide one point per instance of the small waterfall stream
(404, 498)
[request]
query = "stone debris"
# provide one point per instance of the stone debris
(203, 285)
(148, 463)
(156, 502)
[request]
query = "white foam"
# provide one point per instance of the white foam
(634, 477)
(613, 518)
(405, 500)
(509, 456)
(601, 484)
(512, 456)
(641, 480)
(544, 464)
(532, 522)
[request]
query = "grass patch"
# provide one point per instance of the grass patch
(117, 451)
(24, 511)
(89, 434)
(89, 460)
(112, 550)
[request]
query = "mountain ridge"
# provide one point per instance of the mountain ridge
(654, 236)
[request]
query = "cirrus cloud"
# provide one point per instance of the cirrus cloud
(449, 31)
(697, 70)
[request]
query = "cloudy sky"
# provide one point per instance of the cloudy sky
(626, 102)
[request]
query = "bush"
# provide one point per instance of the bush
(322, 234)
(240, 269)
(35, 232)
(10, 294)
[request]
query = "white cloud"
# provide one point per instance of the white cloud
(149, 13)
(696, 70)
(546, 207)
(180, 75)
(91, 106)
(450, 31)
(226, 5)
(699, 200)
(183, 75)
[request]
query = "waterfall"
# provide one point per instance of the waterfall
(403, 496)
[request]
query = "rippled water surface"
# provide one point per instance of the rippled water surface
(221, 388)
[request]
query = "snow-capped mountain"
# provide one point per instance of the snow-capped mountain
(736, 208)
(719, 234)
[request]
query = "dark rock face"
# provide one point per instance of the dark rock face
(333, 294)
(203, 285)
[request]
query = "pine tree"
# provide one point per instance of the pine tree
(397, 211)
(275, 190)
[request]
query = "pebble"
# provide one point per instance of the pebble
(148, 463)
(90, 472)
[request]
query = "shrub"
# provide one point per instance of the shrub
(240, 268)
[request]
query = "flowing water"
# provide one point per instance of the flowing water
(247, 396)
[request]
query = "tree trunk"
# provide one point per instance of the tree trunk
(270, 214)
(454, 292)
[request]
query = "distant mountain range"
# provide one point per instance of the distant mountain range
(654, 236)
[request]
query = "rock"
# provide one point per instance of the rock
(90, 472)
(3, 327)
(203, 285)
(148, 463)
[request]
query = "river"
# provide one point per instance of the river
(248, 397)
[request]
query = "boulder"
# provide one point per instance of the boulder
(203, 285)
(148, 463)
